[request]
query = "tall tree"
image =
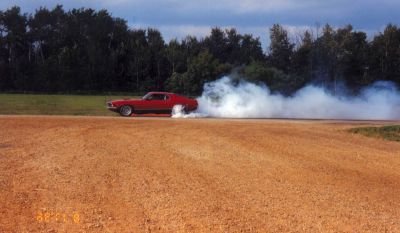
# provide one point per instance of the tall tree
(302, 63)
(137, 55)
(15, 47)
(217, 44)
(280, 49)
(158, 73)
(176, 56)
(250, 50)
(201, 69)
(385, 54)
(351, 56)
(325, 58)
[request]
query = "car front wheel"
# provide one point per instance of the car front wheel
(126, 110)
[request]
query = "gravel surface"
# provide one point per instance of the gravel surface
(113, 174)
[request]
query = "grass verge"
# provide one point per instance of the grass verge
(390, 132)
(29, 104)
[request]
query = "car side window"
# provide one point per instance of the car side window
(157, 97)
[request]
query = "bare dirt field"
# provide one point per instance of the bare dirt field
(112, 174)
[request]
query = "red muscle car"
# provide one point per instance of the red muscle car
(152, 102)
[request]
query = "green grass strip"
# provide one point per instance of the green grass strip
(28, 104)
(390, 132)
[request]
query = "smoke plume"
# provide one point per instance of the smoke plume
(240, 99)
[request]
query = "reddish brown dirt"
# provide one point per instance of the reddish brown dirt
(195, 175)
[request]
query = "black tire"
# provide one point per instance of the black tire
(185, 109)
(125, 110)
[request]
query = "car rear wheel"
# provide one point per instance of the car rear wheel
(125, 110)
(179, 110)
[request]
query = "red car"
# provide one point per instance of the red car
(152, 102)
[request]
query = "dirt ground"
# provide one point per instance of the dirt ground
(113, 174)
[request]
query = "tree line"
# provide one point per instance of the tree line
(84, 50)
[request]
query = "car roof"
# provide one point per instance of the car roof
(161, 92)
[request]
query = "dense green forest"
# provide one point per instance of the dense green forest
(88, 51)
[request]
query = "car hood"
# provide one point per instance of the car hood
(123, 101)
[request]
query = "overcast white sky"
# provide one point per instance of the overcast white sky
(177, 18)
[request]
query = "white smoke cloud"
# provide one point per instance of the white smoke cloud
(225, 98)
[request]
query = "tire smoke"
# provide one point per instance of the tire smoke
(241, 99)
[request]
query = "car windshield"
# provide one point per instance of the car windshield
(145, 97)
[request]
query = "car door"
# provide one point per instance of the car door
(165, 104)
(169, 102)
(157, 103)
